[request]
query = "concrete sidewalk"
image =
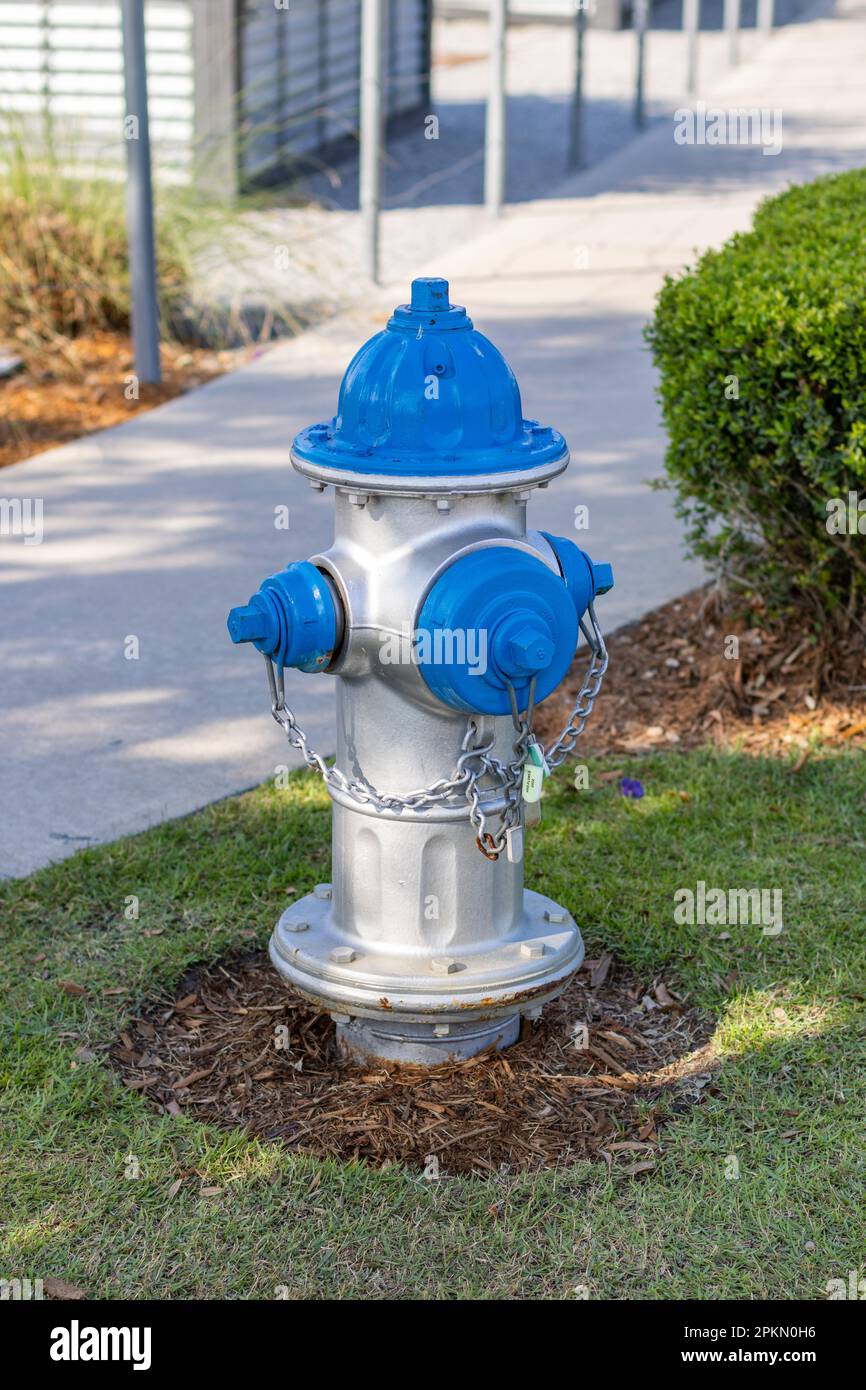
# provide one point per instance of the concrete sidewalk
(154, 529)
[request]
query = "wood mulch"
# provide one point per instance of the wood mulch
(237, 1047)
(671, 684)
(82, 389)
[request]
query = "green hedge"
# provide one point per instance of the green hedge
(761, 349)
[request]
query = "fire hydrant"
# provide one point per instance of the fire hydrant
(444, 622)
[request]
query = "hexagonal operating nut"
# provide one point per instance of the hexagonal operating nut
(248, 623)
(602, 577)
(530, 649)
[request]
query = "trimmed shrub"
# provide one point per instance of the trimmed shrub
(761, 350)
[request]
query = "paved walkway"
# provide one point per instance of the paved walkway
(153, 530)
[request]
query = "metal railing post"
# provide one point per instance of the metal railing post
(641, 10)
(576, 152)
(139, 197)
(766, 16)
(494, 135)
(691, 25)
(732, 26)
(370, 172)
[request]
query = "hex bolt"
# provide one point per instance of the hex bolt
(554, 915)
(441, 1030)
(357, 499)
(533, 1013)
(532, 950)
(444, 965)
(443, 504)
(247, 624)
(316, 485)
(323, 891)
(342, 955)
(530, 649)
(341, 1018)
(296, 926)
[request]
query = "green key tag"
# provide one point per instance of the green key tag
(533, 782)
(535, 753)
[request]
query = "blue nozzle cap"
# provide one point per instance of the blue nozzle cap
(495, 617)
(292, 618)
(584, 579)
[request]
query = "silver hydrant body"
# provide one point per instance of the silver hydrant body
(443, 620)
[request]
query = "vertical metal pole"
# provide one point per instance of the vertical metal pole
(494, 138)
(372, 24)
(641, 8)
(766, 16)
(691, 25)
(45, 67)
(139, 197)
(576, 153)
(732, 25)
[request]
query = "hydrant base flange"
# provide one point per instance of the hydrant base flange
(380, 1040)
(411, 998)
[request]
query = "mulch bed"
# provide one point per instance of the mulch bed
(71, 394)
(670, 684)
(238, 1047)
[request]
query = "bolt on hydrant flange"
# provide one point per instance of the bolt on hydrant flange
(444, 621)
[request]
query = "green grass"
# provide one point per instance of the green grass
(789, 1103)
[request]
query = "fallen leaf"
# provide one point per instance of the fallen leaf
(601, 970)
(664, 996)
(70, 987)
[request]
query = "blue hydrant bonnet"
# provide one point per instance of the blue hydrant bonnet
(429, 397)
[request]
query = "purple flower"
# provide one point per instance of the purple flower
(630, 786)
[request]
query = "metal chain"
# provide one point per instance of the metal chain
(475, 764)
(586, 696)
